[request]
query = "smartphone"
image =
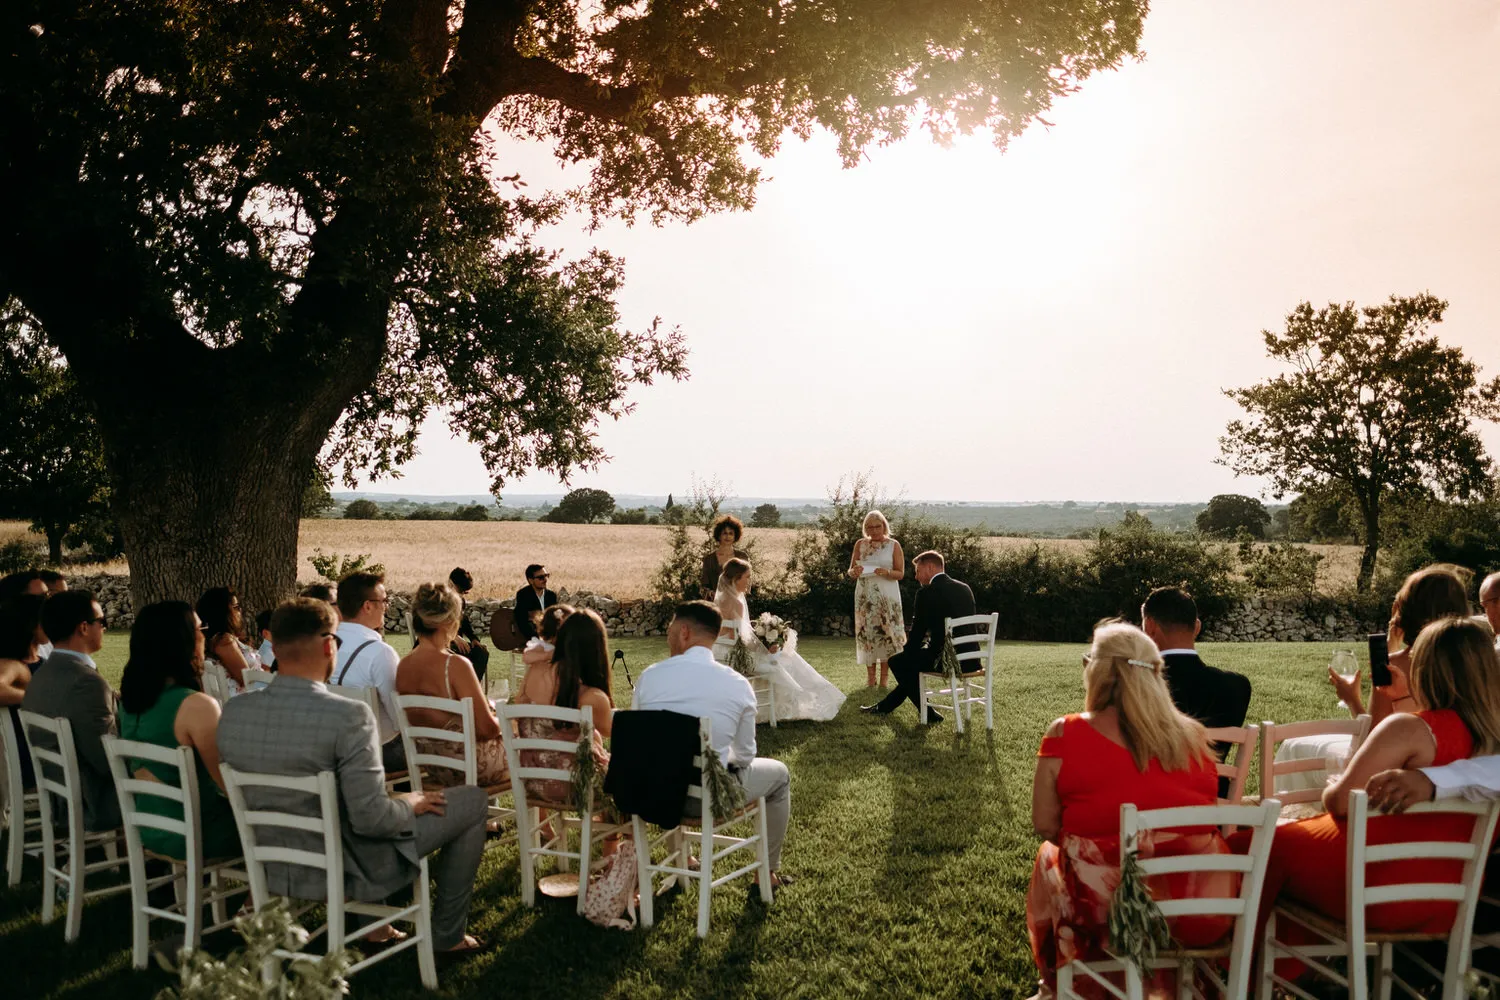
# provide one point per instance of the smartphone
(1380, 661)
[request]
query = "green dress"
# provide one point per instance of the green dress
(220, 838)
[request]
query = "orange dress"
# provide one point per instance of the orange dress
(1309, 858)
(1067, 906)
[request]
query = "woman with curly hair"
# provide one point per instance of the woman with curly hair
(727, 532)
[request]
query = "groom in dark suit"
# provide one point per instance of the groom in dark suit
(941, 597)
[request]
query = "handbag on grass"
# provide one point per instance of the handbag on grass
(612, 894)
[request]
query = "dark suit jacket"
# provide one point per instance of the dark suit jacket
(943, 597)
(65, 687)
(1217, 698)
(651, 764)
(526, 603)
(466, 627)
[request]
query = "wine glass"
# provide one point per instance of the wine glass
(1346, 666)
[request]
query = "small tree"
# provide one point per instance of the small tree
(317, 498)
(51, 463)
(1230, 513)
(362, 510)
(767, 515)
(1373, 402)
(635, 515)
(582, 506)
(473, 512)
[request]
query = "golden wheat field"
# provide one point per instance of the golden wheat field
(619, 560)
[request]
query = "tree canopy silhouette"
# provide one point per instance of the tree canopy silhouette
(266, 230)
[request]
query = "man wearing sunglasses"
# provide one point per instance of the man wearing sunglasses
(532, 600)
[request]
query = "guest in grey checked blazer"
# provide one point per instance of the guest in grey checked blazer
(297, 727)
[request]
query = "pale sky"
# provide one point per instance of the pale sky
(1057, 322)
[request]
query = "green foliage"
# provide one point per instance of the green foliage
(1129, 561)
(1324, 513)
(362, 510)
(635, 515)
(582, 506)
(766, 515)
(1373, 402)
(201, 976)
(1230, 513)
(1466, 535)
(677, 576)
(1280, 568)
(317, 497)
(51, 458)
(334, 567)
(16, 555)
(473, 512)
(1137, 928)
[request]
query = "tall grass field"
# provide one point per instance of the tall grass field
(912, 846)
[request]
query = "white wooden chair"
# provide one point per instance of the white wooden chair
(187, 873)
(371, 697)
(466, 762)
(1245, 740)
(57, 773)
(976, 660)
(329, 858)
(1193, 963)
(528, 807)
(765, 698)
(20, 810)
(713, 846)
(215, 688)
(255, 675)
(1352, 941)
(1270, 768)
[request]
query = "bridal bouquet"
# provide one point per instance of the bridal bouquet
(771, 630)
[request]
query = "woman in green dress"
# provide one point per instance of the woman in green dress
(162, 702)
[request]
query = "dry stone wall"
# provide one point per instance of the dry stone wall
(1254, 620)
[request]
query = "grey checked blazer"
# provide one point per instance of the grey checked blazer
(296, 727)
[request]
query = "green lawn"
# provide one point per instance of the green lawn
(913, 847)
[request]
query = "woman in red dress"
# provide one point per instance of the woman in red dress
(1129, 745)
(1455, 682)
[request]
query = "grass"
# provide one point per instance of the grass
(618, 560)
(914, 848)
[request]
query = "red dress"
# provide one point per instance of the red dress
(1309, 858)
(1067, 906)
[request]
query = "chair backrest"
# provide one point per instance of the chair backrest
(1271, 734)
(354, 692)
(123, 755)
(466, 760)
(513, 715)
(1244, 740)
(55, 761)
(975, 646)
(1251, 866)
(11, 791)
(1473, 852)
(700, 761)
(255, 824)
(214, 687)
(255, 675)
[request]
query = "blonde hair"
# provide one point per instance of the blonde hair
(864, 526)
(1124, 670)
(1454, 666)
(435, 605)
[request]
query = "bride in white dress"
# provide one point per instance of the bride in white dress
(801, 692)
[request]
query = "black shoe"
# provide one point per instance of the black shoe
(876, 709)
(933, 718)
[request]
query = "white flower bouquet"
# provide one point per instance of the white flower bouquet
(772, 631)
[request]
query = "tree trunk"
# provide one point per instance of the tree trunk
(54, 544)
(1372, 548)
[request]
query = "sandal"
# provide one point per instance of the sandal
(468, 945)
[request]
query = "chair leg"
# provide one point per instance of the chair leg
(1359, 980)
(763, 852)
(192, 931)
(15, 845)
(528, 844)
(220, 912)
(77, 879)
(771, 692)
(1185, 980)
(140, 921)
(1266, 963)
(585, 857)
(921, 698)
(644, 878)
(705, 876)
(989, 696)
(1065, 982)
(958, 712)
(1384, 959)
(426, 961)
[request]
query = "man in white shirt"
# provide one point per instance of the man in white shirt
(367, 660)
(690, 682)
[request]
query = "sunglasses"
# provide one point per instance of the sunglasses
(540, 576)
(101, 620)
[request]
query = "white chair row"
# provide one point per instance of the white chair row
(975, 684)
(1245, 740)
(20, 810)
(1349, 939)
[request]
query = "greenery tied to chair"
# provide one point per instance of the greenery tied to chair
(740, 659)
(585, 770)
(949, 660)
(725, 795)
(201, 976)
(1137, 928)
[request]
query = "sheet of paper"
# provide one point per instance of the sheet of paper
(869, 569)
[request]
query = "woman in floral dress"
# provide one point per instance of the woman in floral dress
(876, 567)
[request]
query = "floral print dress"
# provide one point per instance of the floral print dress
(879, 632)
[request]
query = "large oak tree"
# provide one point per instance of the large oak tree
(1373, 406)
(259, 227)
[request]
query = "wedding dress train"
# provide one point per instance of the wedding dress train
(801, 692)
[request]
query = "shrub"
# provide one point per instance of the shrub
(473, 512)
(201, 976)
(1132, 559)
(16, 555)
(334, 567)
(1281, 569)
(767, 515)
(677, 577)
(635, 515)
(1228, 514)
(582, 506)
(362, 510)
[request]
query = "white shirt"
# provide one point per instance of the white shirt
(1475, 778)
(266, 656)
(375, 668)
(44, 650)
(695, 685)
